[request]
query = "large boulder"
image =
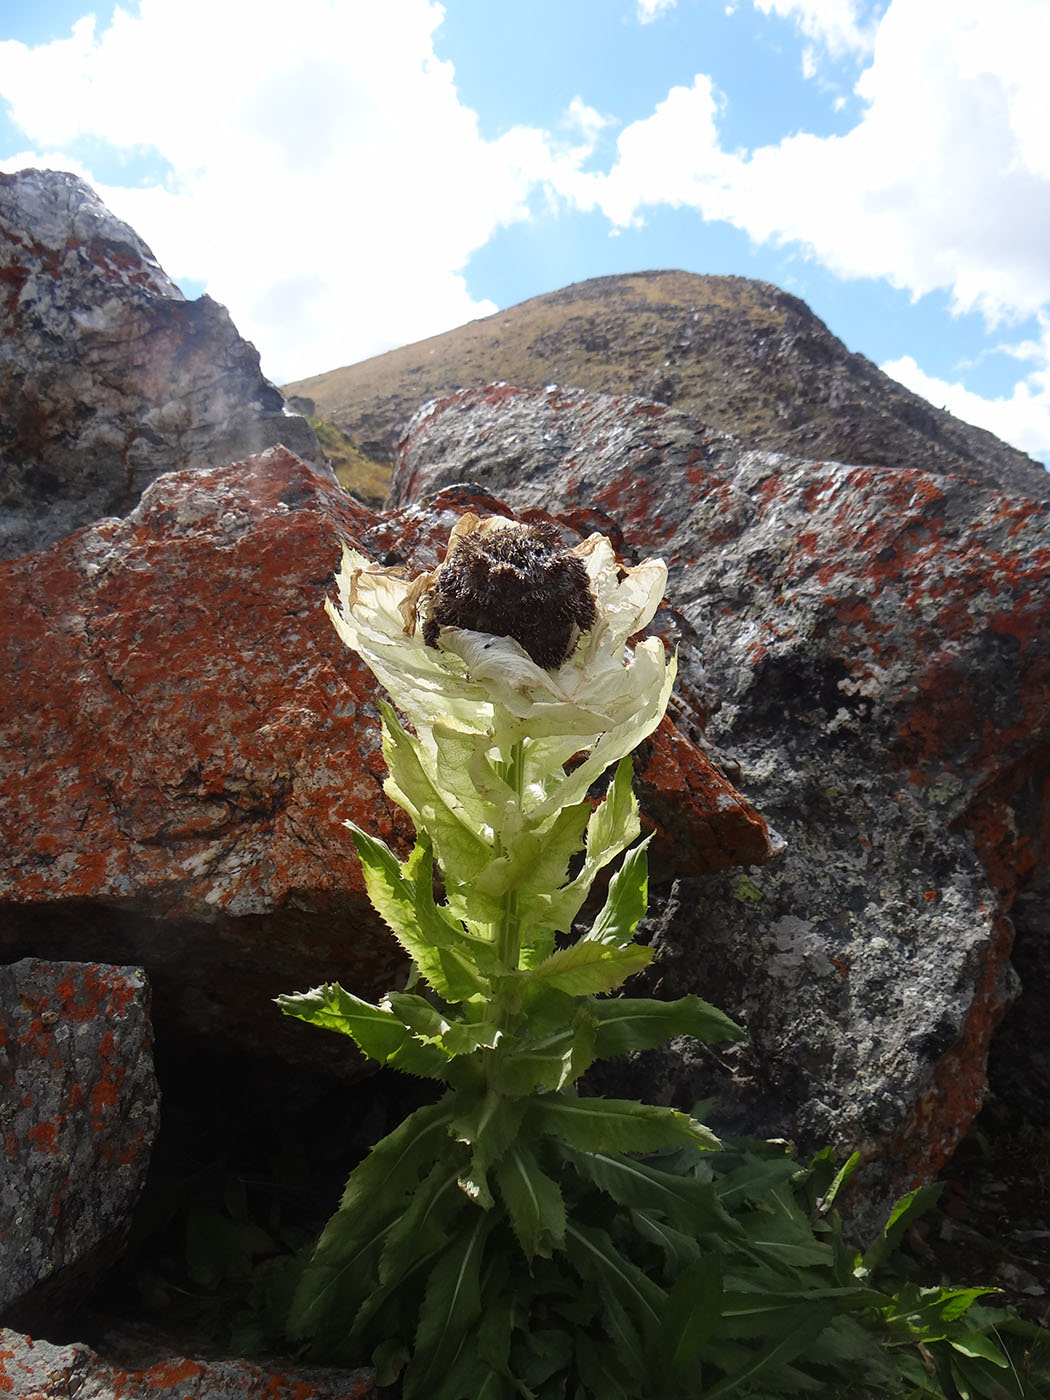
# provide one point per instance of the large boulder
(880, 641)
(183, 735)
(108, 375)
(78, 1115)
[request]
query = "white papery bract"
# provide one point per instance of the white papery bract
(484, 776)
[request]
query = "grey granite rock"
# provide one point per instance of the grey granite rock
(32, 1369)
(78, 1115)
(108, 375)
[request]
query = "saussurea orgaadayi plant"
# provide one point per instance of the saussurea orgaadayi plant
(494, 755)
(513, 1239)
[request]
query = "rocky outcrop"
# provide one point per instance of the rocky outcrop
(78, 1116)
(108, 375)
(183, 736)
(878, 639)
(742, 355)
(31, 1369)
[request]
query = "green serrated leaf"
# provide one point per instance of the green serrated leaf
(464, 1037)
(958, 1301)
(794, 1334)
(534, 1202)
(522, 1067)
(376, 1031)
(684, 1201)
(493, 1345)
(611, 828)
(396, 1163)
(680, 1247)
(738, 1303)
(459, 847)
(601, 1380)
(402, 894)
(755, 1180)
(977, 1378)
(613, 1125)
(425, 1225)
(541, 1353)
(593, 1254)
(626, 901)
(421, 1016)
(637, 1023)
(345, 1265)
(586, 967)
(342, 1272)
(691, 1315)
(784, 1242)
(486, 1123)
(840, 1179)
(451, 1307)
(930, 1310)
(904, 1213)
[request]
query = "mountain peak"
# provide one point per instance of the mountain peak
(739, 354)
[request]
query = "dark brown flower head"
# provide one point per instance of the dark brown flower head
(520, 582)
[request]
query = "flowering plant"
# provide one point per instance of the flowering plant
(510, 1239)
(517, 690)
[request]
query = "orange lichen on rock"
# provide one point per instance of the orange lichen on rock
(41, 1370)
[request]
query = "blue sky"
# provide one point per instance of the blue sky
(347, 177)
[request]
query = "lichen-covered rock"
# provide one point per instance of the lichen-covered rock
(78, 1115)
(880, 640)
(31, 1369)
(108, 375)
(183, 735)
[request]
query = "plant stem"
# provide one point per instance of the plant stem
(508, 931)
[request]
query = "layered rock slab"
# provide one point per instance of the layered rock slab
(184, 735)
(880, 641)
(108, 374)
(79, 1112)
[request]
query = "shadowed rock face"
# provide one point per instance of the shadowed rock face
(184, 734)
(108, 375)
(878, 639)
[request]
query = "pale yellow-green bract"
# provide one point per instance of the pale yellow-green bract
(489, 693)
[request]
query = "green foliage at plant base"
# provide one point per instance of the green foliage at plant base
(659, 1277)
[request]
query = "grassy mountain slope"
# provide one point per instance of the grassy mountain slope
(739, 354)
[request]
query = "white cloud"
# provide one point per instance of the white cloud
(585, 120)
(1021, 419)
(648, 10)
(834, 25)
(673, 157)
(943, 183)
(324, 179)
